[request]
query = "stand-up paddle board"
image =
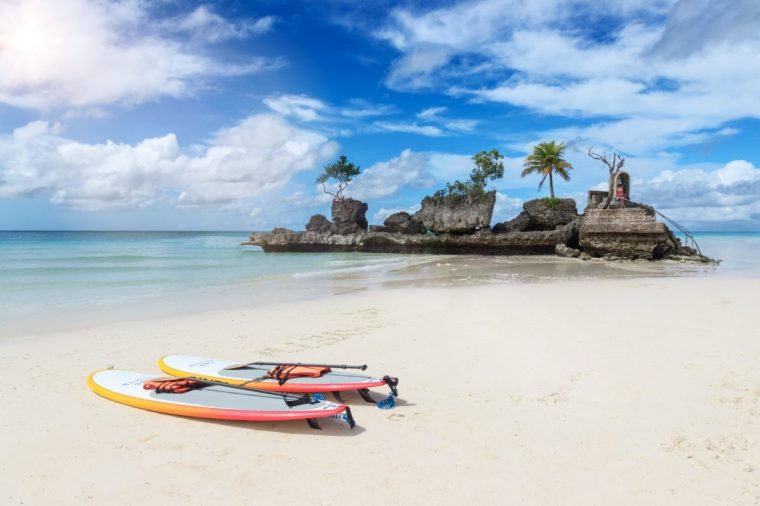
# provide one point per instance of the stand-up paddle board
(253, 375)
(209, 400)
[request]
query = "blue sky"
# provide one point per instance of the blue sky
(186, 115)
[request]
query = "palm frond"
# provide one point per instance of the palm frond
(546, 159)
(563, 174)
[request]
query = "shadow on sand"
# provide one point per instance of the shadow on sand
(330, 426)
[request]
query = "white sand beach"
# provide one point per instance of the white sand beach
(633, 391)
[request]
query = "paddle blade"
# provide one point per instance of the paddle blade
(235, 366)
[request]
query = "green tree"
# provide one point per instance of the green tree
(489, 166)
(547, 160)
(342, 171)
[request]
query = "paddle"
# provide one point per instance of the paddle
(295, 401)
(288, 399)
(331, 366)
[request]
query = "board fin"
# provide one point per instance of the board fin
(364, 392)
(347, 417)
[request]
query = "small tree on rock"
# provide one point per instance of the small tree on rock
(342, 171)
(488, 167)
(547, 160)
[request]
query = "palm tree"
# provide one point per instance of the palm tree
(546, 160)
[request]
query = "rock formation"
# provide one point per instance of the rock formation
(537, 215)
(321, 225)
(565, 251)
(349, 216)
(631, 233)
(400, 223)
(442, 216)
(626, 233)
(518, 224)
(482, 242)
(547, 217)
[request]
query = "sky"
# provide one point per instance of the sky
(184, 115)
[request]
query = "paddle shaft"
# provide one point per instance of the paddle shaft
(281, 395)
(331, 366)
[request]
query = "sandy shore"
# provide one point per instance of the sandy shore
(635, 391)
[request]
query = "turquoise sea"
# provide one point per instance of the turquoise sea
(59, 280)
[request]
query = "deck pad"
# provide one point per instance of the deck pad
(219, 402)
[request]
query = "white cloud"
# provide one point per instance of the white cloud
(430, 40)
(449, 166)
(25, 153)
(696, 24)
(461, 125)
(415, 69)
(301, 200)
(735, 184)
(505, 208)
(433, 115)
(36, 159)
(408, 170)
(258, 155)
(205, 24)
(694, 196)
(241, 163)
(409, 128)
(89, 53)
(306, 108)
(114, 175)
(301, 107)
(681, 69)
(359, 108)
(430, 112)
(637, 135)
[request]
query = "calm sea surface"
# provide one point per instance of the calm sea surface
(61, 279)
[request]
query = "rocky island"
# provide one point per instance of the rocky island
(538, 229)
(459, 222)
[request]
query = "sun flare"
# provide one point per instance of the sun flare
(28, 30)
(30, 37)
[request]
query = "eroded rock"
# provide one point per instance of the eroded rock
(447, 216)
(400, 223)
(544, 217)
(404, 223)
(482, 242)
(566, 251)
(517, 224)
(349, 216)
(320, 224)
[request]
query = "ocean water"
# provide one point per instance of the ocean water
(61, 280)
(65, 279)
(739, 252)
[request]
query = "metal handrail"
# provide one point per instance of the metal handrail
(688, 235)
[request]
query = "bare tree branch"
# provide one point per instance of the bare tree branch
(324, 188)
(613, 166)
